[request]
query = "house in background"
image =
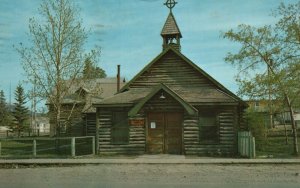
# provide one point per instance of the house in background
(263, 108)
(41, 126)
(78, 116)
(171, 106)
(280, 114)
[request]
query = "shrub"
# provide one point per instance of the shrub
(257, 126)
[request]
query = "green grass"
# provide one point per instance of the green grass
(276, 147)
(44, 148)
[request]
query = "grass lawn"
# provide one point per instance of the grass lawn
(44, 148)
(276, 147)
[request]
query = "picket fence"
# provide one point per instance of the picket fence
(246, 144)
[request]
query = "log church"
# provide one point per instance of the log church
(171, 106)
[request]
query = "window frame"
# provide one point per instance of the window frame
(205, 136)
(118, 126)
(63, 124)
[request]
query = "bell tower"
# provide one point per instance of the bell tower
(170, 33)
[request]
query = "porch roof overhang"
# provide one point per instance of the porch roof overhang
(188, 107)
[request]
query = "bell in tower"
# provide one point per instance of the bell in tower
(170, 33)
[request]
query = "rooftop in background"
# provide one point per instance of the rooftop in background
(95, 90)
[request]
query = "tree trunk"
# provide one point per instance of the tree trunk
(285, 130)
(295, 144)
(58, 127)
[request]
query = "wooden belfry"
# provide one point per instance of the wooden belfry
(170, 32)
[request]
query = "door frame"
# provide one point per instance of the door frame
(164, 129)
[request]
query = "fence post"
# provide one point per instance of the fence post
(0, 148)
(73, 146)
(254, 152)
(93, 145)
(34, 148)
(250, 146)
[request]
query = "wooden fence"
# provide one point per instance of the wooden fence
(24, 133)
(246, 144)
(34, 146)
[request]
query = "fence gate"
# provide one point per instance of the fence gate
(246, 144)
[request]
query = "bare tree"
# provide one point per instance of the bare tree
(55, 57)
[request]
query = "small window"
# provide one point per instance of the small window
(208, 127)
(120, 129)
(62, 127)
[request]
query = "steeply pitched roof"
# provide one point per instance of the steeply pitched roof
(218, 94)
(171, 27)
(189, 95)
(125, 98)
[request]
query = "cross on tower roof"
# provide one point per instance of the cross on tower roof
(170, 4)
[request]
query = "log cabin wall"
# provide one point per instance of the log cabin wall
(226, 119)
(226, 141)
(136, 143)
(191, 135)
(242, 119)
(90, 124)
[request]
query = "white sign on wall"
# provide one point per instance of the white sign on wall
(297, 117)
(152, 125)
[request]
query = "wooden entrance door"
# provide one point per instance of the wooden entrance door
(164, 133)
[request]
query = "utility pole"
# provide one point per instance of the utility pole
(9, 96)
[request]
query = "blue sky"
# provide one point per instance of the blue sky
(128, 32)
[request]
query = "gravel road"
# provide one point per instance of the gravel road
(153, 175)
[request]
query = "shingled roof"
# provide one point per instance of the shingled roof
(171, 27)
(95, 91)
(190, 95)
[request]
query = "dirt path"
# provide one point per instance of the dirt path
(163, 175)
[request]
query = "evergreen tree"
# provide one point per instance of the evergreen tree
(4, 114)
(91, 71)
(20, 112)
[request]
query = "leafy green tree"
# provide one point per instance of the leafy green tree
(91, 71)
(20, 112)
(268, 60)
(54, 60)
(256, 123)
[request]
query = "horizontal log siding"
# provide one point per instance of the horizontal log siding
(227, 145)
(190, 135)
(243, 126)
(136, 143)
(172, 71)
(91, 124)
